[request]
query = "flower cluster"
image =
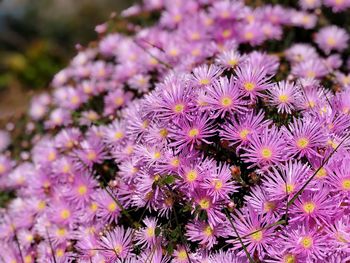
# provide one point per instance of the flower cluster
(191, 140)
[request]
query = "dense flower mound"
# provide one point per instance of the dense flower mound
(206, 137)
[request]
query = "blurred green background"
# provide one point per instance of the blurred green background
(38, 37)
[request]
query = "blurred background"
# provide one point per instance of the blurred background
(37, 39)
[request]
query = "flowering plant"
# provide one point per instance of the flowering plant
(211, 135)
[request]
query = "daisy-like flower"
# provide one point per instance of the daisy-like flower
(300, 52)
(80, 191)
(285, 180)
(260, 200)
(313, 207)
(205, 203)
(253, 81)
(224, 97)
(219, 183)
(191, 174)
(266, 148)
(313, 69)
(205, 75)
(146, 236)
(107, 208)
(172, 100)
(304, 137)
(337, 5)
(332, 38)
(91, 151)
(116, 244)
(205, 234)
(309, 4)
(340, 178)
(188, 134)
(284, 96)
(229, 59)
(251, 228)
(239, 131)
(306, 241)
(62, 213)
(182, 255)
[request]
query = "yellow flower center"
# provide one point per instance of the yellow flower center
(52, 156)
(93, 206)
(309, 207)
(288, 188)
(175, 162)
(82, 189)
(112, 207)
(269, 206)
(283, 98)
(257, 236)
(61, 232)
(193, 132)
(243, 134)
(65, 214)
(163, 133)
(306, 242)
(321, 173)
(173, 52)
(59, 252)
(157, 155)
(204, 81)
(195, 36)
(118, 135)
(41, 205)
(346, 184)
(232, 62)
(119, 101)
(331, 41)
(118, 249)
(226, 101)
(204, 203)
(191, 176)
(150, 232)
(178, 108)
(311, 74)
(249, 86)
(249, 35)
(182, 255)
(302, 143)
(28, 259)
(266, 153)
(226, 33)
(217, 184)
(208, 231)
(2, 168)
(91, 156)
(289, 258)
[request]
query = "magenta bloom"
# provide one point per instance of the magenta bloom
(307, 241)
(313, 207)
(284, 96)
(285, 180)
(203, 233)
(332, 38)
(266, 148)
(304, 137)
(224, 97)
(146, 236)
(116, 244)
(191, 133)
(250, 227)
(253, 81)
(205, 75)
(239, 131)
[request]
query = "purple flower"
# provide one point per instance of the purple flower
(332, 38)
(224, 97)
(116, 244)
(266, 148)
(252, 81)
(188, 134)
